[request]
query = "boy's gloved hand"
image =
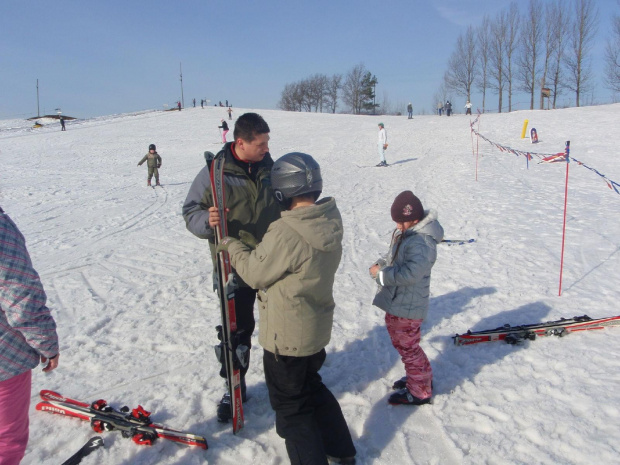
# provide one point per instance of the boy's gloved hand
(381, 262)
(376, 267)
(248, 239)
(224, 244)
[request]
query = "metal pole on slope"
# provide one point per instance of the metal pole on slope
(181, 74)
(38, 112)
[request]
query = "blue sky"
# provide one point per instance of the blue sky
(103, 57)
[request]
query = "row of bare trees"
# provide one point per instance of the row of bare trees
(546, 47)
(321, 93)
(612, 56)
(318, 92)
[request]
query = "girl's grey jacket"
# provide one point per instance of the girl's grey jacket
(294, 268)
(404, 283)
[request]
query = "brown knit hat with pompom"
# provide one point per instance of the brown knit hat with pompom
(407, 207)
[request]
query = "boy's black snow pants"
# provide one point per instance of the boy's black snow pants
(308, 416)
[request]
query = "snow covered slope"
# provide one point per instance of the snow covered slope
(131, 289)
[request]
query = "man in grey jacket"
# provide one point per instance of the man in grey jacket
(294, 266)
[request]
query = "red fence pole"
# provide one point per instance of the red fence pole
(566, 153)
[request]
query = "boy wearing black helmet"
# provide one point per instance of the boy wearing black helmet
(153, 162)
(294, 266)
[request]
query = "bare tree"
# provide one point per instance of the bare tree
(497, 56)
(352, 89)
(440, 97)
(291, 99)
(548, 48)
(531, 35)
(386, 107)
(510, 46)
(316, 88)
(461, 72)
(331, 97)
(612, 57)
(483, 36)
(560, 19)
(583, 29)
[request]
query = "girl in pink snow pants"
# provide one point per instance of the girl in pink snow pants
(27, 337)
(404, 288)
(14, 403)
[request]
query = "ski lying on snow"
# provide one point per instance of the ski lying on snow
(517, 334)
(90, 446)
(135, 424)
(373, 166)
(458, 241)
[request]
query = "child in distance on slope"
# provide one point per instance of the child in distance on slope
(153, 162)
(404, 282)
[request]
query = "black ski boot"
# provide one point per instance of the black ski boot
(404, 397)
(400, 384)
(224, 413)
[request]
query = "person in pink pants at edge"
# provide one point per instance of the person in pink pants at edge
(224, 128)
(404, 281)
(27, 337)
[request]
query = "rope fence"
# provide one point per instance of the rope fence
(543, 157)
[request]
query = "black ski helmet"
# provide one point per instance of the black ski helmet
(295, 174)
(152, 147)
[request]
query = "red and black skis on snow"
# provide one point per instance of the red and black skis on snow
(135, 424)
(517, 334)
(226, 285)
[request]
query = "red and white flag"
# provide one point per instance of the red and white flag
(554, 158)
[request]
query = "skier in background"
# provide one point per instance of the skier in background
(410, 111)
(448, 108)
(382, 144)
(439, 108)
(404, 281)
(468, 108)
(27, 337)
(252, 207)
(229, 113)
(62, 124)
(224, 128)
(153, 163)
(294, 268)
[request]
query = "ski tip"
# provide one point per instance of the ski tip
(96, 441)
(47, 394)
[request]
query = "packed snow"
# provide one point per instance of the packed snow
(131, 291)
